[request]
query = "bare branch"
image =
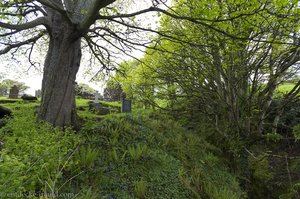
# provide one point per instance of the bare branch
(26, 42)
(25, 26)
(209, 23)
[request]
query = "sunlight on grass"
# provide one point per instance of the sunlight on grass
(284, 88)
(82, 102)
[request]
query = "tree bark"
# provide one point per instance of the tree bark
(61, 66)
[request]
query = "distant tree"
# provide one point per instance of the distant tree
(7, 84)
(112, 91)
(84, 90)
(127, 76)
(137, 81)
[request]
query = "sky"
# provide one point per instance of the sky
(33, 79)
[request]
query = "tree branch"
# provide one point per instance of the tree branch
(199, 21)
(25, 26)
(93, 11)
(17, 45)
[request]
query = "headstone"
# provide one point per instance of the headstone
(38, 93)
(126, 106)
(97, 95)
(14, 92)
(96, 102)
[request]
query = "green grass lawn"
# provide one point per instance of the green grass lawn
(85, 102)
(285, 88)
(4, 98)
(82, 102)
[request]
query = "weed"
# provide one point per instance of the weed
(140, 188)
(137, 152)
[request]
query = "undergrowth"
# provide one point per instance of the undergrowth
(33, 156)
(148, 155)
(141, 155)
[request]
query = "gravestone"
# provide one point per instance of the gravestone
(38, 93)
(126, 106)
(14, 92)
(96, 102)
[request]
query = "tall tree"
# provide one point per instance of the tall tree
(64, 24)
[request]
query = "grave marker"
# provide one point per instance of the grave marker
(126, 106)
(96, 102)
(14, 92)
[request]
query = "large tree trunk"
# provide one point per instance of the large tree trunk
(60, 69)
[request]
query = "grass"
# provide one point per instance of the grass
(112, 104)
(85, 103)
(83, 108)
(34, 154)
(151, 156)
(140, 155)
(285, 88)
(82, 102)
(4, 99)
(17, 103)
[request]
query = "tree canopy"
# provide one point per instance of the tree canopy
(228, 69)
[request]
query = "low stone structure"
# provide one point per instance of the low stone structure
(4, 112)
(29, 97)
